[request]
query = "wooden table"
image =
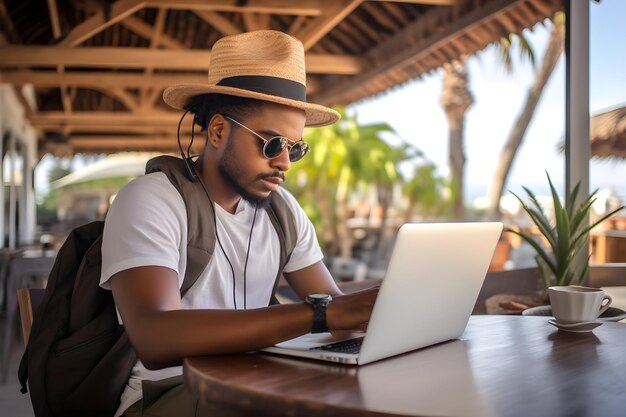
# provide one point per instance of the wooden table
(502, 366)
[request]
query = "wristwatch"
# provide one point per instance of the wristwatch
(319, 302)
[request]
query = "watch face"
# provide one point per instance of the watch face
(319, 297)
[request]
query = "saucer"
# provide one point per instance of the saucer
(611, 313)
(582, 327)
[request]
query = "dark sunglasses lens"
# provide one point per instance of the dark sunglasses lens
(298, 150)
(274, 147)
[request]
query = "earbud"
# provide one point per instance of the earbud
(191, 172)
(187, 161)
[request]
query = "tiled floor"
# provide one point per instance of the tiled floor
(12, 402)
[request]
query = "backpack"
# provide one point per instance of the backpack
(79, 358)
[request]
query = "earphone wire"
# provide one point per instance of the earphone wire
(180, 146)
(212, 203)
(245, 265)
(193, 125)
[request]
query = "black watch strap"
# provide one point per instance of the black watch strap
(319, 302)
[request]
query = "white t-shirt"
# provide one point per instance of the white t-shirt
(147, 226)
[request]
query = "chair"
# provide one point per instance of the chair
(22, 272)
(28, 299)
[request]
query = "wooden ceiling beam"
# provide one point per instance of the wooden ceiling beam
(106, 79)
(146, 31)
(542, 7)
(100, 128)
(394, 10)
(96, 23)
(158, 82)
(127, 99)
(44, 56)
(300, 7)
(373, 34)
(380, 16)
(98, 144)
(151, 99)
(146, 94)
(218, 22)
(331, 17)
(155, 118)
(402, 49)
(508, 23)
(157, 29)
(256, 21)
(66, 100)
(297, 23)
(527, 13)
(7, 24)
(426, 2)
(54, 18)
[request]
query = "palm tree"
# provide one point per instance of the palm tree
(343, 156)
(516, 135)
(424, 192)
(456, 98)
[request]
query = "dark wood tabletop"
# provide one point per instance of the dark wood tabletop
(501, 366)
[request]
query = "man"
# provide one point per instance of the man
(254, 100)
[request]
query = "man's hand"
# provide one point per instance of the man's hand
(351, 311)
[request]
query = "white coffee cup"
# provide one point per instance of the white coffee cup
(575, 304)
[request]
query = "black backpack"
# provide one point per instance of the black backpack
(78, 358)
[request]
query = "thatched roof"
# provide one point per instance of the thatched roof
(99, 71)
(607, 132)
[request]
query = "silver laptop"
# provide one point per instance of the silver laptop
(430, 288)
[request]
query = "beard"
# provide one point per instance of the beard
(231, 171)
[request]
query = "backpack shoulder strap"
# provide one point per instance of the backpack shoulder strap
(201, 235)
(283, 220)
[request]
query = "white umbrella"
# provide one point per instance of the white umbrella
(128, 164)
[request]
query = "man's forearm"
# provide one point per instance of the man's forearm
(164, 338)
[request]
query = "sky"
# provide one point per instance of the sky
(415, 113)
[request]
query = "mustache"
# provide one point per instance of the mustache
(275, 174)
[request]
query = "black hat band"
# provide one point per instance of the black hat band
(264, 84)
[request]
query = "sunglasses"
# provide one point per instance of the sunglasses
(275, 145)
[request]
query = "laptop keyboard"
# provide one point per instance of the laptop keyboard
(345, 346)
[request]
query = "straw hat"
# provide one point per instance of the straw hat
(264, 65)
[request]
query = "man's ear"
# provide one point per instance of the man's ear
(218, 131)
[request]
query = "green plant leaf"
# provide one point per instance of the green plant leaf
(563, 235)
(597, 222)
(567, 238)
(540, 251)
(569, 202)
(539, 218)
(556, 201)
(581, 214)
(533, 198)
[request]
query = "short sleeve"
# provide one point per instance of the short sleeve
(144, 227)
(307, 250)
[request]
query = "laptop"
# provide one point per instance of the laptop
(430, 287)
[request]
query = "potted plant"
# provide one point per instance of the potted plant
(565, 238)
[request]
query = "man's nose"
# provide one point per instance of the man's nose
(281, 162)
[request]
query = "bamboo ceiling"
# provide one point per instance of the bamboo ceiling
(99, 67)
